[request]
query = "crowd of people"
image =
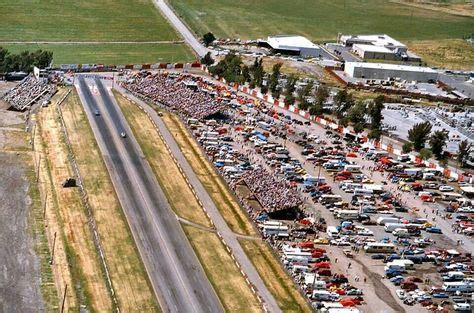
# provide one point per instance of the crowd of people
(27, 92)
(271, 193)
(180, 93)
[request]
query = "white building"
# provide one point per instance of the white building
(373, 52)
(382, 71)
(374, 40)
(294, 45)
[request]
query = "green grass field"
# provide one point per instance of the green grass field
(319, 20)
(110, 53)
(91, 21)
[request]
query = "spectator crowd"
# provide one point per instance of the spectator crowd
(27, 92)
(177, 93)
(272, 194)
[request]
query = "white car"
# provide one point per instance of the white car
(446, 188)
(401, 294)
(462, 307)
(466, 210)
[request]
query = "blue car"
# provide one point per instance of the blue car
(434, 230)
(397, 280)
(440, 295)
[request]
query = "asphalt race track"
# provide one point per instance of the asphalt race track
(177, 277)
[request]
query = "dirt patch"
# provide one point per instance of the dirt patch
(129, 278)
(20, 266)
(380, 289)
(453, 54)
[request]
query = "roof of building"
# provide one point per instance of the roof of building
(290, 42)
(383, 40)
(388, 66)
(372, 48)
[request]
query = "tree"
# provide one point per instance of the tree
(425, 154)
(464, 149)
(207, 59)
(418, 134)
(316, 110)
(342, 101)
(273, 81)
(305, 91)
(257, 72)
(208, 38)
(375, 134)
(407, 147)
(246, 73)
(321, 95)
(375, 112)
(356, 114)
(437, 142)
(230, 68)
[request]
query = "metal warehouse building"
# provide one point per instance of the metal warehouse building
(387, 71)
(293, 45)
(373, 52)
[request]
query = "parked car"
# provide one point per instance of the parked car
(434, 230)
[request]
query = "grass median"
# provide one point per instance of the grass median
(129, 278)
(281, 286)
(225, 201)
(228, 282)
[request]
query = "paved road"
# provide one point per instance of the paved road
(176, 275)
(181, 28)
(219, 222)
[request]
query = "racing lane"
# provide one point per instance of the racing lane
(174, 270)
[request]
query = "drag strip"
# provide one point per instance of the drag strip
(175, 273)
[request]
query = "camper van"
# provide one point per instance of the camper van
(363, 192)
(352, 168)
(458, 286)
(387, 219)
(348, 214)
(379, 247)
(332, 232)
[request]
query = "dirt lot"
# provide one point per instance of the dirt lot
(25, 283)
(221, 270)
(128, 274)
(233, 214)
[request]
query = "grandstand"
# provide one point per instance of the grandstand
(29, 91)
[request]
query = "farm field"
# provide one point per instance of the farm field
(319, 20)
(110, 53)
(105, 21)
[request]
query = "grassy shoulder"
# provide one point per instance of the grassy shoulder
(225, 201)
(129, 278)
(221, 270)
(276, 279)
(76, 263)
(109, 53)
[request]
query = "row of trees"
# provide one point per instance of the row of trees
(420, 133)
(24, 61)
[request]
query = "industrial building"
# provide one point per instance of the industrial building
(373, 52)
(292, 45)
(381, 47)
(381, 71)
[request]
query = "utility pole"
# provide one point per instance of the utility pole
(38, 168)
(52, 252)
(64, 299)
(44, 205)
